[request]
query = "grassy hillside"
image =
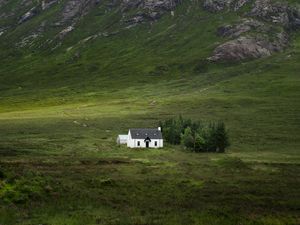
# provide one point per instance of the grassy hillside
(61, 109)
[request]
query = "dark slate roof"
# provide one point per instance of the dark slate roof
(143, 133)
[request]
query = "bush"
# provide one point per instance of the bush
(194, 135)
(21, 190)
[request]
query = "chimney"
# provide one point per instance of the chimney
(159, 128)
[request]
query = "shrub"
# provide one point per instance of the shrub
(21, 190)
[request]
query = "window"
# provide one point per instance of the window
(155, 143)
(138, 143)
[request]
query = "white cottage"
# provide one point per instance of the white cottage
(145, 138)
(122, 139)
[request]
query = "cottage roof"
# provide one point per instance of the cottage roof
(142, 133)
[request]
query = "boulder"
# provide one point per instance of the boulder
(244, 48)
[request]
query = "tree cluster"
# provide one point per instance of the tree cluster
(195, 135)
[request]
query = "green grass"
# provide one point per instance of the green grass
(60, 113)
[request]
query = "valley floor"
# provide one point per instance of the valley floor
(61, 165)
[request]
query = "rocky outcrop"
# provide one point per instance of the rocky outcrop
(216, 5)
(249, 48)
(26, 3)
(65, 31)
(6, 15)
(72, 9)
(148, 9)
(151, 5)
(28, 15)
(251, 38)
(75, 9)
(3, 2)
(272, 12)
(239, 4)
(234, 31)
(2, 30)
(46, 4)
(135, 19)
(276, 12)
(219, 5)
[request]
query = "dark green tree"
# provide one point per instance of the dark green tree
(187, 138)
(221, 137)
(200, 144)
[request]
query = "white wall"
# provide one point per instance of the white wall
(133, 143)
(122, 139)
(129, 141)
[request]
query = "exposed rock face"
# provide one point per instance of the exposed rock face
(248, 48)
(31, 13)
(151, 5)
(48, 3)
(235, 31)
(219, 5)
(3, 2)
(136, 19)
(257, 43)
(74, 9)
(7, 15)
(149, 9)
(216, 5)
(65, 31)
(276, 13)
(34, 11)
(279, 13)
(26, 3)
(239, 4)
(2, 30)
(294, 16)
